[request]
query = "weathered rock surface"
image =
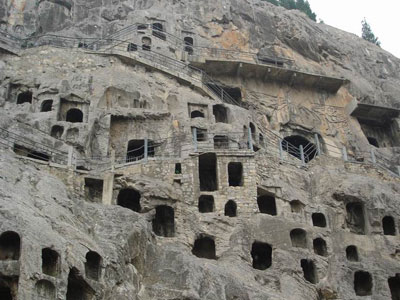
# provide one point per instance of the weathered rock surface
(124, 100)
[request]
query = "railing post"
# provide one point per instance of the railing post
(250, 139)
(112, 160)
(344, 153)
(146, 149)
(317, 144)
(303, 162)
(373, 157)
(70, 156)
(280, 150)
(398, 170)
(194, 135)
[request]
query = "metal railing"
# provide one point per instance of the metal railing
(174, 146)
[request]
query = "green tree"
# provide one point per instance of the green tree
(367, 33)
(302, 5)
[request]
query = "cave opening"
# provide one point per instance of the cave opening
(74, 115)
(23, 151)
(204, 247)
(24, 97)
(266, 203)
(388, 225)
(291, 144)
(362, 283)
(394, 286)
(94, 189)
(351, 253)
(129, 198)
(318, 219)
(296, 206)
(298, 237)
(93, 265)
(235, 174)
(77, 288)
(57, 131)
(220, 113)
(10, 245)
(309, 271)
(132, 47)
(320, 247)
(261, 254)
(45, 290)
(47, 105)
(230, 209)
(158, 31)
(196, 114)
(164, 221)
(208, 172)
(206, 203)
(355, 217)
(50, 262)
(135, 150)
(188, 44)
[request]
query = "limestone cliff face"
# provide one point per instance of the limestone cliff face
(145, 168)
(237, 24)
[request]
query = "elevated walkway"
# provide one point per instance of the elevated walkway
(272, 72)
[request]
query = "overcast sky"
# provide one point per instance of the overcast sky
(382, 15)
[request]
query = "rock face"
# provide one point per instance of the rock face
(194, 150)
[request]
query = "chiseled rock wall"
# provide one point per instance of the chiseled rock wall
(51, 206)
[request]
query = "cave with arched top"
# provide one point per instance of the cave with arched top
(93, 265)
(10, 245)
(204, 247)
(230, 209)
(74, 115)
(291, 144)
(318, 220)
(78, 288)
(46, 106)
(196, 114)
(129, 198)
(24, 97)
(320, 247)
(50, 262)
(298, 237)
(351, 253)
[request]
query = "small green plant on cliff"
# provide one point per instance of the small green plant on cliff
(302, 5)
(367, 33)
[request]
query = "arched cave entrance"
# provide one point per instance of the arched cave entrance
(129, 198)
(291, 144)
(362, 283)
(93, 265)
(10, 245)
(74, 115)
(298, 237)
(230, 208)
(204, 247)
